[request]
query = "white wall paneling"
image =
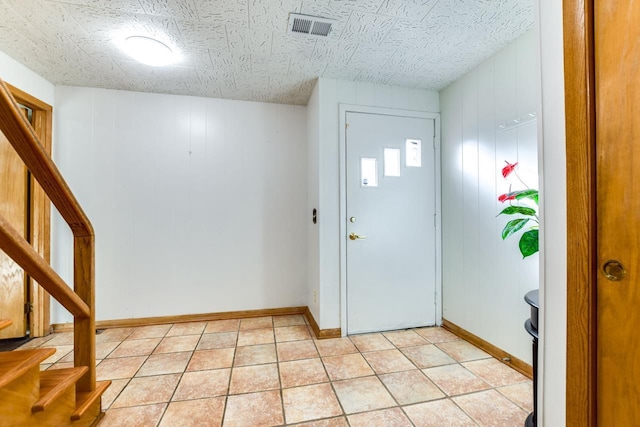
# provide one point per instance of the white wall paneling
(198, 204)
(332, 93)
(553, 269)
(484, 277)
(313, 186)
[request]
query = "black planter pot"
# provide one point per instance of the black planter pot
(531, 326)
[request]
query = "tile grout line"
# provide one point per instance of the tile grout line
(138, 370)
(164, 412)
(231, 368)
(281, 390)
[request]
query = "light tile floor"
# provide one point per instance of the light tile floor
(269, 371)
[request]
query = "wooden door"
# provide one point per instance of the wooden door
(617, 84)
(14, 207)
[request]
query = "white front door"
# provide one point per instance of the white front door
(390, 207)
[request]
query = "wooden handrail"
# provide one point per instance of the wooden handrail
(81, 301)
(18, 249)
(20, 134)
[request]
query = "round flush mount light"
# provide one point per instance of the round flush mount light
(149, 51)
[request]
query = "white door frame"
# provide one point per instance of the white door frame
(343, 110)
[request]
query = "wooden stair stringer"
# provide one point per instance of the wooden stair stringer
(14, 364)
(20, 385)
(85, 400)
(54, 383)
(35, 398)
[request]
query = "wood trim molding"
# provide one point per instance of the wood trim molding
(506, 358)
(321, 333)
(160, 320)
(581, 403)
(146, 321)
(28, 100)
(40, 323)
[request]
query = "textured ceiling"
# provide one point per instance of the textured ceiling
(240, 49)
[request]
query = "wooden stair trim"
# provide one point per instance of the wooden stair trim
(55, 382)
(14, 364)
(5, 323)
(84, 400)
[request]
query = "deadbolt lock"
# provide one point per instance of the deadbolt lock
(614, 270)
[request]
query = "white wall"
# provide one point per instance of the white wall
(313, 187)
(553, 326)
(484, 277)
(332, 93)
(198, 204)
(23, 78)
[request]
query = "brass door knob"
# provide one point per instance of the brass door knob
(614, 270)
(354, 236)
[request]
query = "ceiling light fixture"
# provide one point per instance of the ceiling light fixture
(149, 51)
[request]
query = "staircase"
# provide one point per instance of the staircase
(63, 397)
(30, 397)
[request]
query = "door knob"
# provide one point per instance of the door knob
(354, 236)
(614, 270)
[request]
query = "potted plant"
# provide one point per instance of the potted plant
(523, 204)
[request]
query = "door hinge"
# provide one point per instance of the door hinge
(435, 223)
(346, 125)
(434, 143)
(28, 308)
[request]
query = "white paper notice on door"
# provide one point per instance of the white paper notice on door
(391, 162)
(414, 153)
(368, 172)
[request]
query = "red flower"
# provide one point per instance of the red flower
(507, 196)
(506, 171)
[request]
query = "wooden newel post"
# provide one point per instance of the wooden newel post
(84, 334)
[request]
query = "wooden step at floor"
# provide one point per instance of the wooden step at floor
(54, 382)
(84, 400)
(13, 364)
(5, 323)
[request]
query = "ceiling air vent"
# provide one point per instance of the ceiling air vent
(311, 25)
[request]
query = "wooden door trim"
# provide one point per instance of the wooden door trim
(40, 322)
(581, 378)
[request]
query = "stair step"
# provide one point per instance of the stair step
(55, 382)
(5, 323)
(13, 364)
(84, 400)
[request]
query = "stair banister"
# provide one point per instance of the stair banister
(21, 136)
(26, 257)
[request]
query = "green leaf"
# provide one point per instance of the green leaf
(522, 210)
(513, 226)
(527, 194)
(529, 243)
